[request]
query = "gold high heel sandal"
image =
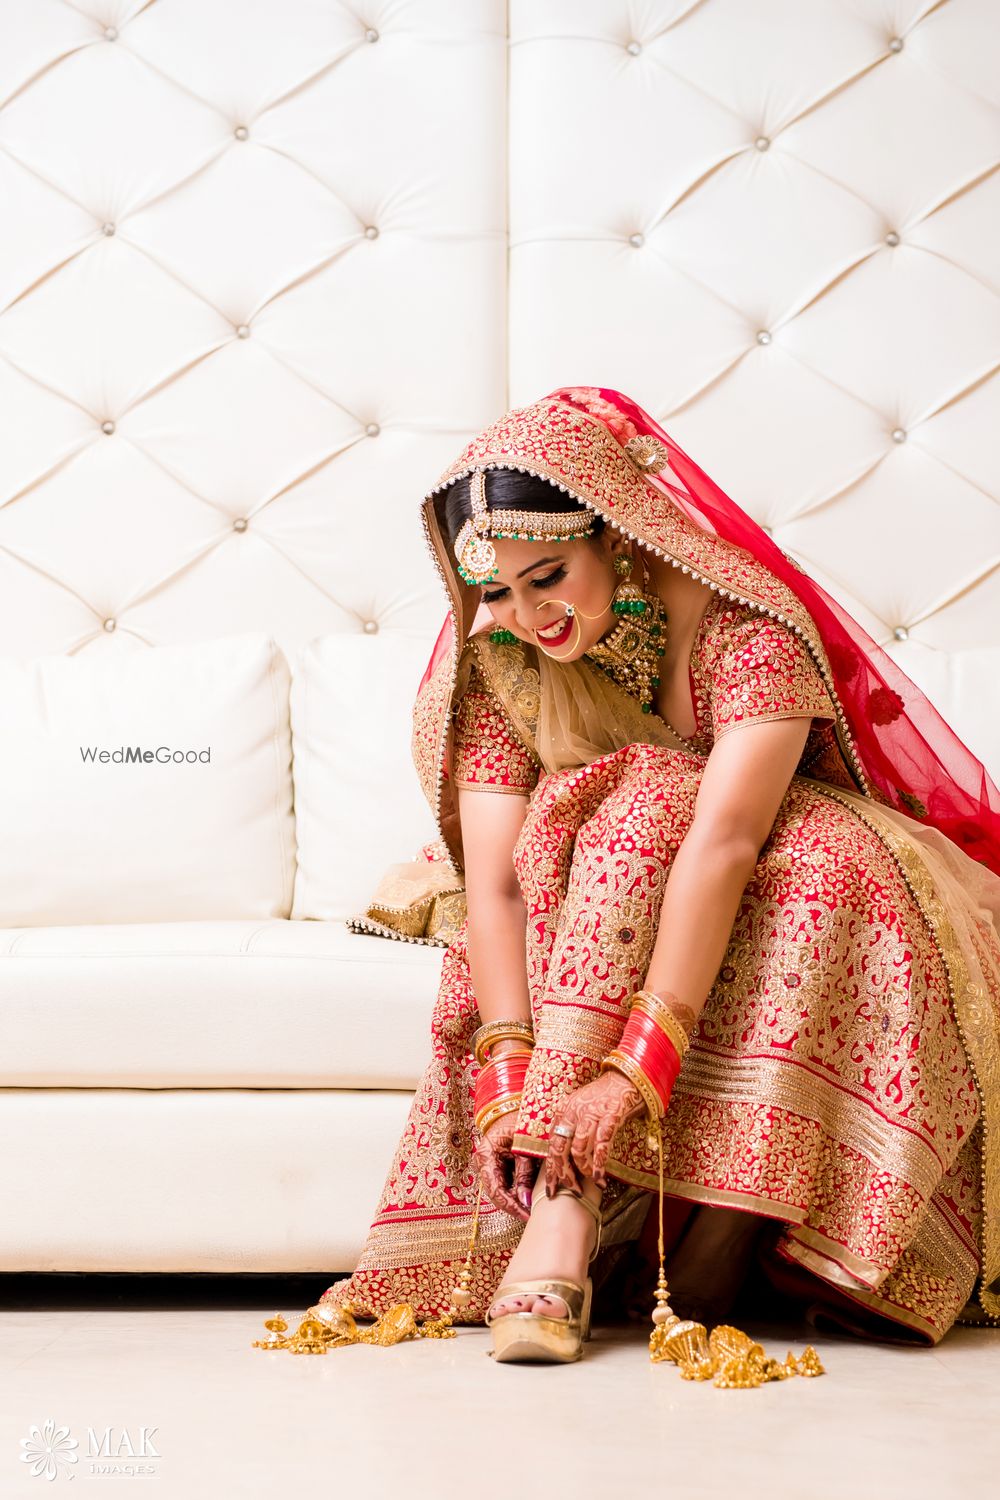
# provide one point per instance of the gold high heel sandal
(538, 1337)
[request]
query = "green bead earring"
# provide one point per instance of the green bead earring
(628, 598)
(501, 637)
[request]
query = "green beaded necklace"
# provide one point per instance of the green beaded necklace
(630, 655)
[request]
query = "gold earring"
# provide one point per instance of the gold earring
(631, 654)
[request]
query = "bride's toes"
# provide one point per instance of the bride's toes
(506, 1305)
(551, 1305)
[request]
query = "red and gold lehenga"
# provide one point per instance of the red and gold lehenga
(843, 1080)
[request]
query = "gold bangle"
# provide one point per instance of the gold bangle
(498, 1108)
(495, 1031)
(632, 1071)
(651, 1005)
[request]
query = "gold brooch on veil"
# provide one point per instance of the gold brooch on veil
(647, 454)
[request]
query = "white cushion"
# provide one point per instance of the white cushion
(358, 803)
(214, 1005)
(184, 1180)
(88, 838)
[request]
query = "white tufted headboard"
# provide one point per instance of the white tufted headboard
(257, 292)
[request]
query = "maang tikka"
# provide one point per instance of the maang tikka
(475, 555)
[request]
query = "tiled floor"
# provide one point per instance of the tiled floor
(441, 1419)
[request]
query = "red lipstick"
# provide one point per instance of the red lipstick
(558, 640)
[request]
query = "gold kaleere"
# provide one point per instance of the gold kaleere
(336, 1328)
(730, 1358)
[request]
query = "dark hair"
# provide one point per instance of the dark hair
(509, 489)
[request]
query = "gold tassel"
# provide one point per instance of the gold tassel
(730, 1358)
(337, 1329)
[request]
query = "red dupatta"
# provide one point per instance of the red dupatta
(900, 738)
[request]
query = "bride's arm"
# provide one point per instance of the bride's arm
(491, 822)
(746, 776)
(765, 691)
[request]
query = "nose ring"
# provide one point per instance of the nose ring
(571, 614)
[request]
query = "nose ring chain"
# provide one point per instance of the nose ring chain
(575, 613)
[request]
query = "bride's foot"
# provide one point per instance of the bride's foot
(557, 1241)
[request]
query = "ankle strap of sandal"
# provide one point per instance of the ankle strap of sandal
(593, 1210)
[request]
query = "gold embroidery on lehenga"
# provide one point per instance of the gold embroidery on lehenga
(975, 1017)
(810, 957)
(626, 934)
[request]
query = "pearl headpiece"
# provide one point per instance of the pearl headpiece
(474, 551)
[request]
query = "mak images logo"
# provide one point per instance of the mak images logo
(49, 1448)
(45, 1450)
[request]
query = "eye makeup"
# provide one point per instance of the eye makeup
(536, 583)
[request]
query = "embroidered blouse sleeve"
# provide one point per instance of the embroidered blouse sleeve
(763, 670)
(488, 754)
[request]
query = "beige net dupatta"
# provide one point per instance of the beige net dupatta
(584, 715)
(960, 899)
(420, 901)
(567, 714)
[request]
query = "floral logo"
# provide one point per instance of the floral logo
(47, 1448)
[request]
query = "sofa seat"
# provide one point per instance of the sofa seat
(227, 1004)
(259, 1072)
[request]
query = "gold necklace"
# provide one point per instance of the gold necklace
(631, 654)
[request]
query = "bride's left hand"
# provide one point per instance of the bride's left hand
(595, 1111)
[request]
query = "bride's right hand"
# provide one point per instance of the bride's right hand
(494, 1159)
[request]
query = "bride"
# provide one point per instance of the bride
(728, 941)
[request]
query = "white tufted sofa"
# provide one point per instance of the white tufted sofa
(265, 269)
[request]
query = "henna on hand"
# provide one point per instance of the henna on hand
(596, 1111)
(491, 1156)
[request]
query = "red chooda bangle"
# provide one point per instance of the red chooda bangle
(501, 1077)
(651, 1050)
